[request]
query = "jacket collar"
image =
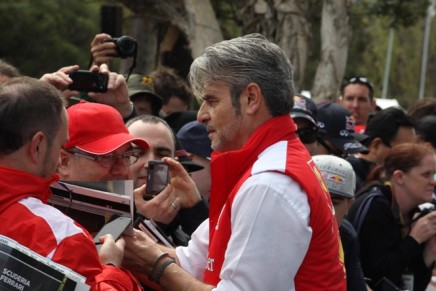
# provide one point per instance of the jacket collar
(227, 168)
(16, 185)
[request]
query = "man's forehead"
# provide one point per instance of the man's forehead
(215, 87)
(158, 135)
(354, 87)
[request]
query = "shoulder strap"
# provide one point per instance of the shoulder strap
(364, 207)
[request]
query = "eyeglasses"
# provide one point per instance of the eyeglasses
(307, 134)
(109, 160)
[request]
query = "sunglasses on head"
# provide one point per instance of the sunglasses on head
(307, 134)
(361, 80)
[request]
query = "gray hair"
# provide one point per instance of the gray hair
(243, 60)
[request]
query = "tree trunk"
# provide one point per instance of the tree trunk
(195, 18)
(145, 31)
(335, 38)
(201, 28)
(283, 22)
(294, 36)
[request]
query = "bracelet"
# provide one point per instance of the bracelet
(155, 262)
(159, 272)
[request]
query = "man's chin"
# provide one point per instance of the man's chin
(139, 182)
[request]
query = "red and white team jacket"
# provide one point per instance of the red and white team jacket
(273, 148)
(26, 218)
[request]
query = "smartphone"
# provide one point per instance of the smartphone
(157, 178)
(86, 81)
(115, 227)
(150, 228)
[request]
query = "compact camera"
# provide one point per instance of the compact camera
(86, 81)
(424, 212)
(125, 45)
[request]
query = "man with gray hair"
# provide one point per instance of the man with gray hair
(271, 223)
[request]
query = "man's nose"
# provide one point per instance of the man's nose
(120, 168)
(202, 115)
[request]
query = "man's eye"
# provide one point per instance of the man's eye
(138, 154)
(163, 155)
(106, 158)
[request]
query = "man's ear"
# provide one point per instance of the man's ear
(350, 202)
(376, 143)
(253, 98)
(64, 161)
(37, 147)
(373, 105)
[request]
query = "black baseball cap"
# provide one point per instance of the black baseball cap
(336, 124)
(194, 138)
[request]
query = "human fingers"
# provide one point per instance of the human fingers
(104, 69)
(164, 195)
(176, 168)
(57, 79)
(98, 38)
(69, 69)
(118, 81)
(139, 192)
(67, 94)
(140, 251)
(111, 252)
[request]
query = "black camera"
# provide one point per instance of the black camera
(86, 81)
(126, 46)
(424, 211)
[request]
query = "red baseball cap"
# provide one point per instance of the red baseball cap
(98, 129)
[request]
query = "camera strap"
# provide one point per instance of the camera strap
(133, 64)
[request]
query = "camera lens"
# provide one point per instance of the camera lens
(126, 46)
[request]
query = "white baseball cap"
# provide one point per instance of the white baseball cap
(338, 174)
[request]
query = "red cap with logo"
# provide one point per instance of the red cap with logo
(98, 129)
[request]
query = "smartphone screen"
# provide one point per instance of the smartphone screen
(86, 81)
(157, 178)
(114, 227)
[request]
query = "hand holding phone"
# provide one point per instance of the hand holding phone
(115, 227)
(86, 81)
(157, 178)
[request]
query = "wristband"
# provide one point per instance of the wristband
(156, 276)
(155, 263)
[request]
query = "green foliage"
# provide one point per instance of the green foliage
(41, 36)
(226, 14)
(400, 12)
(367, 54)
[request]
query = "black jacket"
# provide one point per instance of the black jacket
(384, 251)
